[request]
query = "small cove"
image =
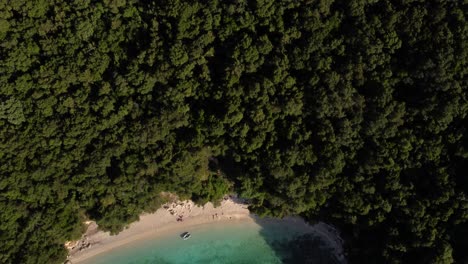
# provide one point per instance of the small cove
(237, 242)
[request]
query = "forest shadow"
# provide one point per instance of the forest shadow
(296, 242)
(292, 239)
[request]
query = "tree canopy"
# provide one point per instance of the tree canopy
(351, 111)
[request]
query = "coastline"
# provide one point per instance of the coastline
(164, 220)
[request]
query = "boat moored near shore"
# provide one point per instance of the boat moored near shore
(185, 235)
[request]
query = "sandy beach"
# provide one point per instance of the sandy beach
(175, 216)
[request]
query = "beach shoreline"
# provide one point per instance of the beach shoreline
(178, 216)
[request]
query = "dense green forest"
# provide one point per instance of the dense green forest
(349, 111)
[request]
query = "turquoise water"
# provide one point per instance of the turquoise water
(238, 242)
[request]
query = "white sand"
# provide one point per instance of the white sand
(163, 220)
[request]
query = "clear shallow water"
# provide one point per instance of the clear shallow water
(237, 242)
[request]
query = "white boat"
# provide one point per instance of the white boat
(185, 235)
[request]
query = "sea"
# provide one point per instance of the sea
(263, 241)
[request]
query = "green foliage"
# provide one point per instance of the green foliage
(354, 112)
(12, 111)
(212, 189)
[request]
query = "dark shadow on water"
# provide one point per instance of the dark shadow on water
(296, 247)
(295, 242)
